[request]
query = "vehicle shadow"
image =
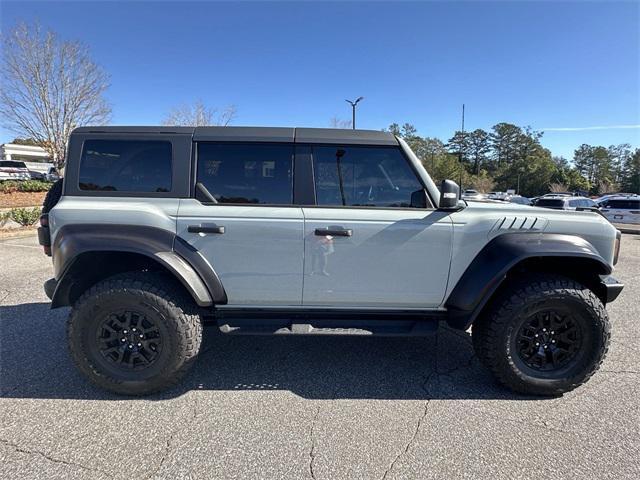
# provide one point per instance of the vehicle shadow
(35, 363)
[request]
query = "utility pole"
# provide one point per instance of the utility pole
(353, 110)
(461, 149)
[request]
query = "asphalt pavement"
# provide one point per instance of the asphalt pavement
(307, 407)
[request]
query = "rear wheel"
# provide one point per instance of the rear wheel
(134, 333)
(545, 335)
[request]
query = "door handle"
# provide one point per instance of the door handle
(205, 229)
(334, 232)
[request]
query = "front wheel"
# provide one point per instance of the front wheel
(544, 335)
(134, 333)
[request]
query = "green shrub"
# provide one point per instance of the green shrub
(4, 216)
(25, 216)
(33, 186)
(11, 186)
(8, 186)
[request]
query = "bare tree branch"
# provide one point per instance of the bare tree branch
(336, 122)
(199, 115)
(49, 87)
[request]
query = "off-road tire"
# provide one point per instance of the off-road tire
(53, 196)
(166, 304)
(494, 333)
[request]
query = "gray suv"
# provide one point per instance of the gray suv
(300, 231)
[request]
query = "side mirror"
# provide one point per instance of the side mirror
(449, 195)
(419, 199)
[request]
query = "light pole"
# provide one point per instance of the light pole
(353, 110)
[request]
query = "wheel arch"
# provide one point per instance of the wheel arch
(87, 254)
(516, 254)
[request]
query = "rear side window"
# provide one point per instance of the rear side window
(247, 173)
(363, 176)
(624, 204)
(126, 166)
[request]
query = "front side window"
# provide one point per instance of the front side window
(126, 166)
(247, 173)
(363, 176)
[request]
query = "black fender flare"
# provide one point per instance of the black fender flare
(162, 246)
(489, 268)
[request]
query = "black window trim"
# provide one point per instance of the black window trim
(194, 177)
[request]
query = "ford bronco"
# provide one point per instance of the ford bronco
(301, 231)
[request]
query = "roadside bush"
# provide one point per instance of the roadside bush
(34, 186)
(25, 216)
(8, 186)
(11, 186)
(4, 216)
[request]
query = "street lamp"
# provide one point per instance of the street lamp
(353, 110)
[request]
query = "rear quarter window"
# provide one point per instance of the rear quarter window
(135, 166)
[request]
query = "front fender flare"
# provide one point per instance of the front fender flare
(489, 268)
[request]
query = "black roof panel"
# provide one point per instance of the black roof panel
(244, 134)
(125, 129)
(336, 135)
(260, 134)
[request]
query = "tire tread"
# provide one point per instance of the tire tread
(488, 331)
(154, 289)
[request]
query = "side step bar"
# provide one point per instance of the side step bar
(266, 322)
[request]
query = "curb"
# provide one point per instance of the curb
(630, 228)
(8, 233)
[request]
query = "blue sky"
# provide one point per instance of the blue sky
(545, 64)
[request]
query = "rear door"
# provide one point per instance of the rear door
(373, 239)
(243, 221)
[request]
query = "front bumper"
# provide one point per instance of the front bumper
(612, 288)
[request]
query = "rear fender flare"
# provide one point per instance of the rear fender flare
(189, 267)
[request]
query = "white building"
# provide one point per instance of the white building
(24, 153)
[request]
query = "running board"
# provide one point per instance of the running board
(265, 322)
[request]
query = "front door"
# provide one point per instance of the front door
(365, 245)
(244, 223)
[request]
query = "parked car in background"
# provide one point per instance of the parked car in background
(564, 202)
(43, 171)
(13, 170)
(622, 208)
(52, 174)
(604, 198)
(497, 196)
(471, 194)
(520, 200)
